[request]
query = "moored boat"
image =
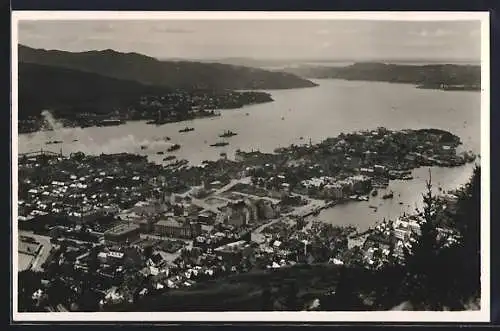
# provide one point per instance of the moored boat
(228, 133)
(186, 129)
(220, 144)
(174, 147)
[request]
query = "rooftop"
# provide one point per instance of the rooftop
(170, 222)
(122, 228)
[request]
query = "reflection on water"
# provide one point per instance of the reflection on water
(409, 193)
(311, 114)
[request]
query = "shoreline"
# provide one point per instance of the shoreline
(123, 121)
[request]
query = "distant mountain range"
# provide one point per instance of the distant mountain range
(441, 76)
(282, 63)
(174, 74)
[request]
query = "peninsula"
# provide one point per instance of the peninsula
(84, 89)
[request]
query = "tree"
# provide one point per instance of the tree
(291, 300)
(392, 259)
(28, 283)
(88, 301)
(267, 298)
(468, 220)
(422, 257)
(93, 261)
(148, 252)
(345, 297)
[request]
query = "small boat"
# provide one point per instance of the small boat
(400, 203)
(407, 177)
(75, 140)
(186, 129)
(53, 142)
(159, 153)
(372, 207)
(144, 147)
(169, 158)
(301, 138)
(228, 133)
(282, 118)
(389, 195)
(166, 138)
(247, 114)
(174, 147)
(220, 144)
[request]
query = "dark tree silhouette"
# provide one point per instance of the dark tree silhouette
(421, 259)
(148, 252)
(267, 298)
(468, 223)
(440, 276)
(291, 299)
(28, 283)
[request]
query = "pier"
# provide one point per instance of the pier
(317, 210)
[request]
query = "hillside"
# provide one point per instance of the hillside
(175, 74)
(64, 90)
(443, 76)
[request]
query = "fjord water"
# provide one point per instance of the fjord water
(333, 107)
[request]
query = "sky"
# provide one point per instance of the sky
(269, 39)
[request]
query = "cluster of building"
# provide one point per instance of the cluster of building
(182, 104)
(338, 189)
(175, 106)
(351, 164)
(137, 228)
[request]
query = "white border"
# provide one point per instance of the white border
(482, 315)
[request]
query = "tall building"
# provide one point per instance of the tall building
(177, 228)
(239, 213)
(125, 232)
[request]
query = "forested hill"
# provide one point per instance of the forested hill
(445, 76)
(174, 74)
(41, 87)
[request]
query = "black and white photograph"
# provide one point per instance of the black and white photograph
(259, 166)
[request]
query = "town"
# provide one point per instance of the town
(160, 108)
(108, 230)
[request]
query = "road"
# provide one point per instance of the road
(245, 180)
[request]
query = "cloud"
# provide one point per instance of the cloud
(442, 33)
(323, 32)
(475, 33)
(326, 44)
(104, 28)
(162, 29)
(425, 33)
(27, 26)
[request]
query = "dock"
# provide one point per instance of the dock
(317, 210)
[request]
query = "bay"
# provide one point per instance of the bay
(312, 114)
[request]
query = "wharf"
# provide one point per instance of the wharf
(315, 211)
